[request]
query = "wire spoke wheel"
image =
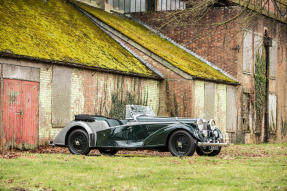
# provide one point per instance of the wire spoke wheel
(181, 143)
(78, 142)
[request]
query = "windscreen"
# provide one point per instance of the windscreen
(137, 110)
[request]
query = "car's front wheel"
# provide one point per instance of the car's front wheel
(181, 143)
(78, 142)
(108, 151)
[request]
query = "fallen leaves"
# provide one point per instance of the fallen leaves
(175, 162)
(18, 189)
(10, 180)
(227, 153)
(15, 153)
(10, 155)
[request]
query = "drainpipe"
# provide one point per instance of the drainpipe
(1, 107)
(267, 41)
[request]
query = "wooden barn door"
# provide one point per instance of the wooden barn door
(20, 113)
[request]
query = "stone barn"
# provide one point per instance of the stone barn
(63, 58)
(56, 63)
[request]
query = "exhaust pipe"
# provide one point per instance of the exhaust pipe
(211, 144)
(51, 143)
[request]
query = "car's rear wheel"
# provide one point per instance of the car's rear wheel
(206, 151)
(78, 142)
(108, 151)
(181, 143)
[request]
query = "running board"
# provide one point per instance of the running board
(211, 144)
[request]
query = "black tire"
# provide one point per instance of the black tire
(78, 142)
(200, 152)
(108, 151)
(215, 152)
(207, 152)
(181, 143)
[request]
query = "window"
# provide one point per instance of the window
(258, 47)
(273, 59)
(209, 100)
(61, 96)
(247, 52)
(246, 112)
(231, 113)
(272, 113)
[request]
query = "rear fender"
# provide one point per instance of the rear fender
(61, 138)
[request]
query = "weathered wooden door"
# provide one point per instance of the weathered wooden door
(20, 113)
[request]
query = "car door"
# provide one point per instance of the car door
(120, 135)
(138, 133)
(113, 137)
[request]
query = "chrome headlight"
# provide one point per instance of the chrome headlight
(200, 124)
(212, 124)
(215, 134)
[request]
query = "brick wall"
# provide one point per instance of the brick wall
(217, 44)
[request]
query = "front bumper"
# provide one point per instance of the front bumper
(212, 144)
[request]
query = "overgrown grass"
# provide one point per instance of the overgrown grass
(238, 167)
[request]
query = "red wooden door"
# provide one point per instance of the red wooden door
(20, 113)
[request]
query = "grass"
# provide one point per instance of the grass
(238, 167)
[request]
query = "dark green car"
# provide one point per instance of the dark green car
(140, 130)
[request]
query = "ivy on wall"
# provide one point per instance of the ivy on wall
(260, 84)
(173, 102)
(169, 109)
(184, 102)
(175, 105)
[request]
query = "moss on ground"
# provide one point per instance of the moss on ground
(55, 30)
(160, 46)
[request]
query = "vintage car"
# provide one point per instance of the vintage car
(140, 130)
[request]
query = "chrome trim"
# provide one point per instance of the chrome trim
(211, 144)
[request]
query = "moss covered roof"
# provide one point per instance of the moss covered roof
(160, 46)
(54, 30)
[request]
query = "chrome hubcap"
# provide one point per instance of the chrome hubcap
(77, 142)
(179, 144)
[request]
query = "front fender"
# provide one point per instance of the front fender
(159, 138)
(220, 136)
(60, 139)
